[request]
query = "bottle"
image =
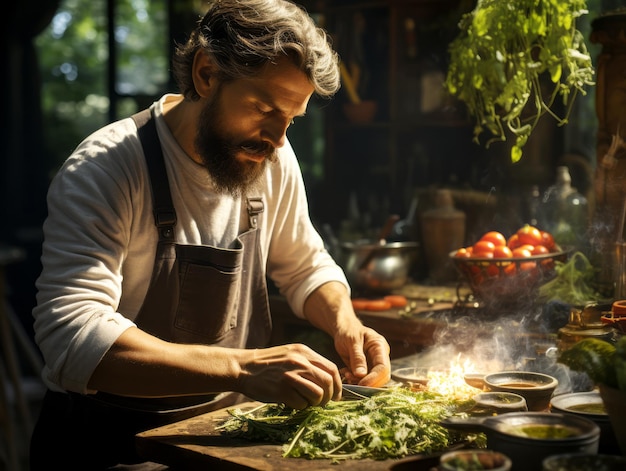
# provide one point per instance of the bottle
(564, 212)
(532, 206)
(443, 230)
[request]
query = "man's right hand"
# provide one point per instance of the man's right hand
(292, 374)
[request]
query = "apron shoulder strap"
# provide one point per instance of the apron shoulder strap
(164, 213)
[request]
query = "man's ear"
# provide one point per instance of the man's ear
(204, 79)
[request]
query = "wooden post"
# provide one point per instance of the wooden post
(609, 30)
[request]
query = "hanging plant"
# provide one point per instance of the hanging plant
(499, 60)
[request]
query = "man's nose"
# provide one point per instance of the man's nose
(275, 130)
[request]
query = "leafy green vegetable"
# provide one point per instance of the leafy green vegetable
(592, 356)
(500, 56)
(573, 283)
(620, 363)
(394, 423)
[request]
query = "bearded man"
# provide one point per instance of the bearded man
(152, 305)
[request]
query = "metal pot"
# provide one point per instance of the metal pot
(511, 435)
(379, 268)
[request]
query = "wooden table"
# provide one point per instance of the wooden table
(406, 334)
(194, 444)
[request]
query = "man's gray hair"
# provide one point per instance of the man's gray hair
(242, 36)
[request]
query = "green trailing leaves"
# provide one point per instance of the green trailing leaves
(499, 58)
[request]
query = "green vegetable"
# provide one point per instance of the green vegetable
(620, 363)
(572, 283)
(595, 357)
(499, 59)
(394, 423)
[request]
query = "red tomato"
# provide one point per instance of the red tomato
(502, 252)
(547, 240)
(483, 248)
(529, 235)
(528, 266)
(539, 250)
(463, 252)
(493, 270)
(495, 237)
(521, 252)
(513, 242)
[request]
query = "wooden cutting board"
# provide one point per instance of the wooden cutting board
(194, 444)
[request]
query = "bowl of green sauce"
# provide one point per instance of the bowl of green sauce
(589, 404)
(529, 437)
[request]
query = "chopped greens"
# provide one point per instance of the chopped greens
(391, 424)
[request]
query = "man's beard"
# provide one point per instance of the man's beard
(218, 150)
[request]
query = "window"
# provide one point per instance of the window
(91, 76)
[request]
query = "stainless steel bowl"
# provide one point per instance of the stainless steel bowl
(378, 268)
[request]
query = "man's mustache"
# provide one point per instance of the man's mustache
(259, 148)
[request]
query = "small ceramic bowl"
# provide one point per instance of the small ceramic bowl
(475, 380)
(584, 462)
(536, 388)
(501, 402)
(410, 376)
(474, 459)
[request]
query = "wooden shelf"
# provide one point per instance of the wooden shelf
(397, 52)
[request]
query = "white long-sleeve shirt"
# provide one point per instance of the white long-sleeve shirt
(100, 241)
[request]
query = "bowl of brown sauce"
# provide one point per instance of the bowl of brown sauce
(536, 388)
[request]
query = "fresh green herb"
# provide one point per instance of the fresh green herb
(573, 283)
(500, 56)
(391, 424)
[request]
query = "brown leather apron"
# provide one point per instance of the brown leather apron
(197, 294)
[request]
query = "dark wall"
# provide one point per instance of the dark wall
(23, 163)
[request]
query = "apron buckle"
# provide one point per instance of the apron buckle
(255, 207)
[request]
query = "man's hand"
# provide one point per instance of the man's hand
(291, 374)
(364, 351)
(366, 356)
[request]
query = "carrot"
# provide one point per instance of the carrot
(378, 305)
(396, 300)
(359, 304)
(364, 304)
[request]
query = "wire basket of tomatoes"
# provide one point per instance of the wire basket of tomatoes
(504, 271)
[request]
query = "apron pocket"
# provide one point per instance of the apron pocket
(207, 310)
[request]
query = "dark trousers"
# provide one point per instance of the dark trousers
(74, 432)
(84, 433)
